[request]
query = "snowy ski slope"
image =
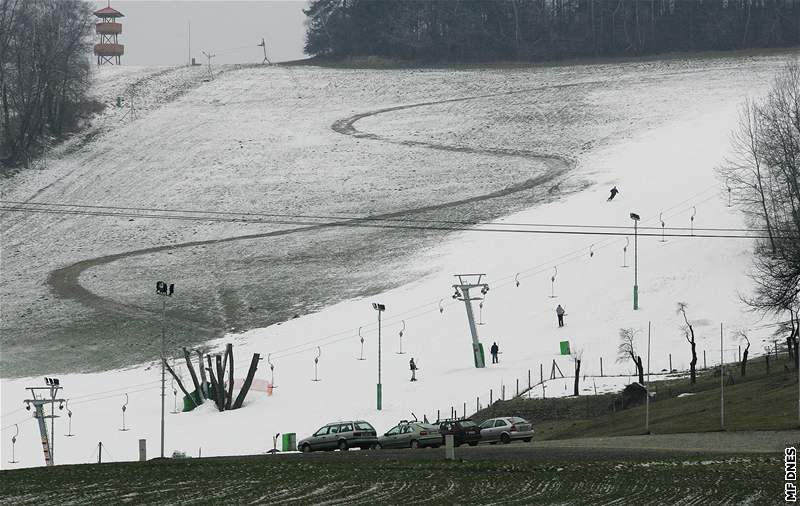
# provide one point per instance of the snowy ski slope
(683, 113)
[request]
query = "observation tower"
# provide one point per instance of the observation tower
(108, 49)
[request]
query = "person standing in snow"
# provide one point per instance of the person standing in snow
(413, 367)
(614, 192)
(560, 313)
(494, 351)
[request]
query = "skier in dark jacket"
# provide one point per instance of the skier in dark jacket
(560, 313)
(614, 192)
(413, 366)
(494, 350)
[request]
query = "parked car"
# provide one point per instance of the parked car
(411, 435)
(463, 431)
(506, 429)
(341, 435)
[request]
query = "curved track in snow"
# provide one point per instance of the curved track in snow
(66, 281)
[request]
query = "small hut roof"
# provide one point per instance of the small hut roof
(108, 12)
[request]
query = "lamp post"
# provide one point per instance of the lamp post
(380, 308)
(166, 291)
(635, 218)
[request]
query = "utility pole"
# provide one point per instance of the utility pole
(647, 390)
(380, 308)
(164, 290)
(39, 401)
(466, 282)
(721, 383)
(264, 45)
(209, 56)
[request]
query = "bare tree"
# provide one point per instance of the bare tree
(627, 350)
(764, 176)
(221, 396)
(744, 170)
(743, 335)
(688, 332)
(44, 73)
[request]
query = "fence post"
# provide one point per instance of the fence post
(670, 362)
(437, 416)
(704, 360)
(477, 404)
(541, 374)
(503, 392)
(529, 379)
(740, 353)
(601, 367)
(465, 410)
(517, 387)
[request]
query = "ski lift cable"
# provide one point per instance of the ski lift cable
(26, 420)
(93, 394)
(202, 216)
(301, 351)
(360, 223)
(337, 216)
(762, 326)
(576, 254)
(545, 267)
(608, 242)
(412, 309)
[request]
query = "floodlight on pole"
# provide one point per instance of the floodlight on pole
(380, 308)
(165, 290)
(635, 217)
(465, 283)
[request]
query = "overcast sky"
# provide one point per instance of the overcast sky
(156, 32)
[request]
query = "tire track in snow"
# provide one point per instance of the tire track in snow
(65, 282)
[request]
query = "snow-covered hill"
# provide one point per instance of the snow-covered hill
(655, 130)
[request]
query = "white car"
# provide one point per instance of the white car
(506, 429)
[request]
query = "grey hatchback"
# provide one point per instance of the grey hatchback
(505, 429)
(342, 435)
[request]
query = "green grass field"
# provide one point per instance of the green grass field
(344, 480)
(758, 401)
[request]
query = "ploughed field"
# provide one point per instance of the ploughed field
(402, 478)
(305, 147)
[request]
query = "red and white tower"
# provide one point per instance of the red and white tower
(108, 49)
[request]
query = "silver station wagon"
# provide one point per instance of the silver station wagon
(342, 435)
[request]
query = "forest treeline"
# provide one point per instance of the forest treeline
(44, 74)
(530, 30)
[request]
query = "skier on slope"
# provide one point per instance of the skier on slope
(560, 314)
(413, 366)
(494, 350)
(614, 192)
